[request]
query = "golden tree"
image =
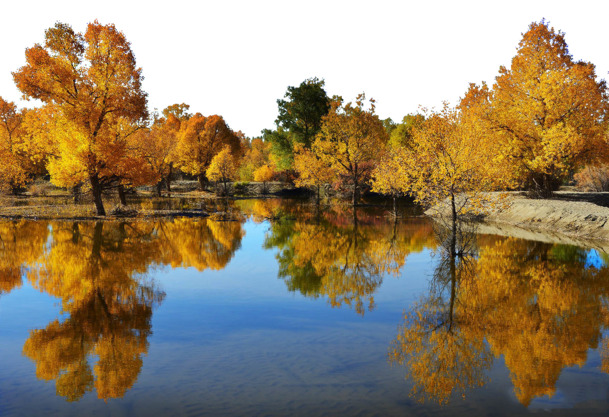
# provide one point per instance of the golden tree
(13, 172)
(264, 174)
(450, 161)
(257, 153)
(200, 139)
(349, 141)
(157, 145)
(312, 171)
(93, 80)
(222, 168)
(389, 176)
(546, 111)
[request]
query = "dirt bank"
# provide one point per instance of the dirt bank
(578, 217)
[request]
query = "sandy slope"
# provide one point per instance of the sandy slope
(569, 217)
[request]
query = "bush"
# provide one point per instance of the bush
(593, 178)
(241, 187)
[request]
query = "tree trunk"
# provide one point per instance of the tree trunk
(159, 188)
(97, 194)
(355, 186)
(395, 207)
(76, 193)
(168, 180)
(121, 195)
(202, 181)
(542, 185)
(317, 202)
(453, 238)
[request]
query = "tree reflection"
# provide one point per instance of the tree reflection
(339, 253)
(543, 308)
(540, 306)
(198, 243)
(439, 342)
(100, 273)
(21, 243)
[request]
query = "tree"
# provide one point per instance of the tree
(264, 174)
(401, 134)
(312, 171)
(257, 153)
(222, 168)
(95, 84)
(298, 122)
(158, 143)
(303, 110)
(200, 139)
(389, 177)
(451, 160)
(547, 112)
(13, 173)
(349, 141)
(179, 111)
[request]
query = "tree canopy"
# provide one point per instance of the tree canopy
(93, 81)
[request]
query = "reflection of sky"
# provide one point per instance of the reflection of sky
(594, 259)
(236, 342)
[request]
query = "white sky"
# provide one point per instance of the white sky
(236, 58)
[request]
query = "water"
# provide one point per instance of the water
(281, 309)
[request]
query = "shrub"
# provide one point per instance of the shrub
(593, 178)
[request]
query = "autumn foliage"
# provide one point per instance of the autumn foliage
(349, 142)
(94, 83)
(544, 119)
(546, 113)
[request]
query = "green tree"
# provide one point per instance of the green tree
(401, 134)
(301, 113)
(299, 120)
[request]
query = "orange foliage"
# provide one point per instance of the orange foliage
(93, 81)
(200, 139)
(350, 141)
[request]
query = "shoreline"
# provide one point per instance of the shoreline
(569, 217)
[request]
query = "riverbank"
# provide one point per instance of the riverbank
(579, 217)
(43, 201)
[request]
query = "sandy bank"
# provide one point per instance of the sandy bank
(569, 218)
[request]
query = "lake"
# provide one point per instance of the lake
(277, 307)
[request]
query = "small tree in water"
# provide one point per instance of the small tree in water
(390, 178)
(450, 166)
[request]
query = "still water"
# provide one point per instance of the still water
(281, 309)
